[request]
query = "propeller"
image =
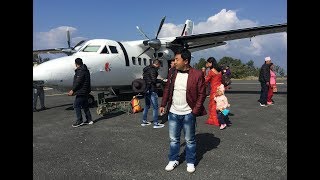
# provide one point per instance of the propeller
(68, 38)
(70, 50)
(155, 43)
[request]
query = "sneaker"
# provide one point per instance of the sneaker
(77, 124)
(190, 168)
(171, 165)
(222, 126)
(43, 108)
(158, 125)
(91, 122)
(269, 103)
(263, 105)
(145, 123)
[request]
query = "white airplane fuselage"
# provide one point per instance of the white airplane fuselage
(116, 68)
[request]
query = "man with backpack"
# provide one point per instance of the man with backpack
(150, 74)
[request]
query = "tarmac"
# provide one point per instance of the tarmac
(116, 146)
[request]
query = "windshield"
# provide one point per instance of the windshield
(91, 48)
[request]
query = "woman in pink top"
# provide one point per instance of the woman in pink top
(214, 78)
(273, 85)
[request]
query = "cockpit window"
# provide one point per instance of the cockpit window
(91, 48)
(105, 50)
(113, 49)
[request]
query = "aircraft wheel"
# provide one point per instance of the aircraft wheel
(91, 100)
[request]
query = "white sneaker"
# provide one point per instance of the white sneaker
(263, 105)
(145, 123)
(190, 168)
(171, 165)
(91, 122)
(158, 125)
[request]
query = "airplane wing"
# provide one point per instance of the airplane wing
(50, 51)
(202, 41)
(68, 51)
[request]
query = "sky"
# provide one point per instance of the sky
(117, 20)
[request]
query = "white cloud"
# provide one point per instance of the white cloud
(274, 45)
(55, 38)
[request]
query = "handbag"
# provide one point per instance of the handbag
(225, 112)
(275, 89)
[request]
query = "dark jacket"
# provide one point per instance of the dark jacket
(264, 75)
(81, 81)
(37, 85)
(196, 91)
(150, 74)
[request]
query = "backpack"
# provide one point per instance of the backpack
(225, 80)
(135, 105)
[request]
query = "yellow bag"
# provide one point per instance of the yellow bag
(135, 104)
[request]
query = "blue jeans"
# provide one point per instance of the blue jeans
(81, 102)
(38, 92)
(188, 124)
(151, 98)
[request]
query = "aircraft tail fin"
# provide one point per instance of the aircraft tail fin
(188, 28)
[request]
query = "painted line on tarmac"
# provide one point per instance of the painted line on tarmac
(57, 94)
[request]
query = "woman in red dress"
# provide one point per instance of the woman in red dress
(214, 78)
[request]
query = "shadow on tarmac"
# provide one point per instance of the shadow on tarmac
(61, 105)
(205, 142)
(109, 115)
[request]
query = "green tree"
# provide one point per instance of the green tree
(201, 63)
(279, 70)
(250, 64)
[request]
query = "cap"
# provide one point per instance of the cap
(267, 58)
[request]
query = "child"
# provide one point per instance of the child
(222, 103)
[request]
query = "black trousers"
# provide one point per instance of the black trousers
(264, 93)
(81, 102)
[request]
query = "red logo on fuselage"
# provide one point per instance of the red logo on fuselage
(107, 67)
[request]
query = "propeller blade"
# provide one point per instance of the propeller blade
(161, 23)
(68, 38)
(184, 28)
(78, 43)
(144, 51)
(142, 32)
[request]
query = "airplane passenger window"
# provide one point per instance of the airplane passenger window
(91, 48)
(139, 61)
(105, 50)
(134, 60)
(113, 49)
(150, 61)
(145, 61)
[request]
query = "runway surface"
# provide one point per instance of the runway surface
(117, 147)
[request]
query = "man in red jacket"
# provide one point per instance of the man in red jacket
(184, 95)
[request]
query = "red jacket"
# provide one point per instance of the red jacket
(196, 91)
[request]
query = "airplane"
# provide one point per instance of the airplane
(114, 65)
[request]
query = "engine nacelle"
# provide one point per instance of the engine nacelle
(166, 54)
